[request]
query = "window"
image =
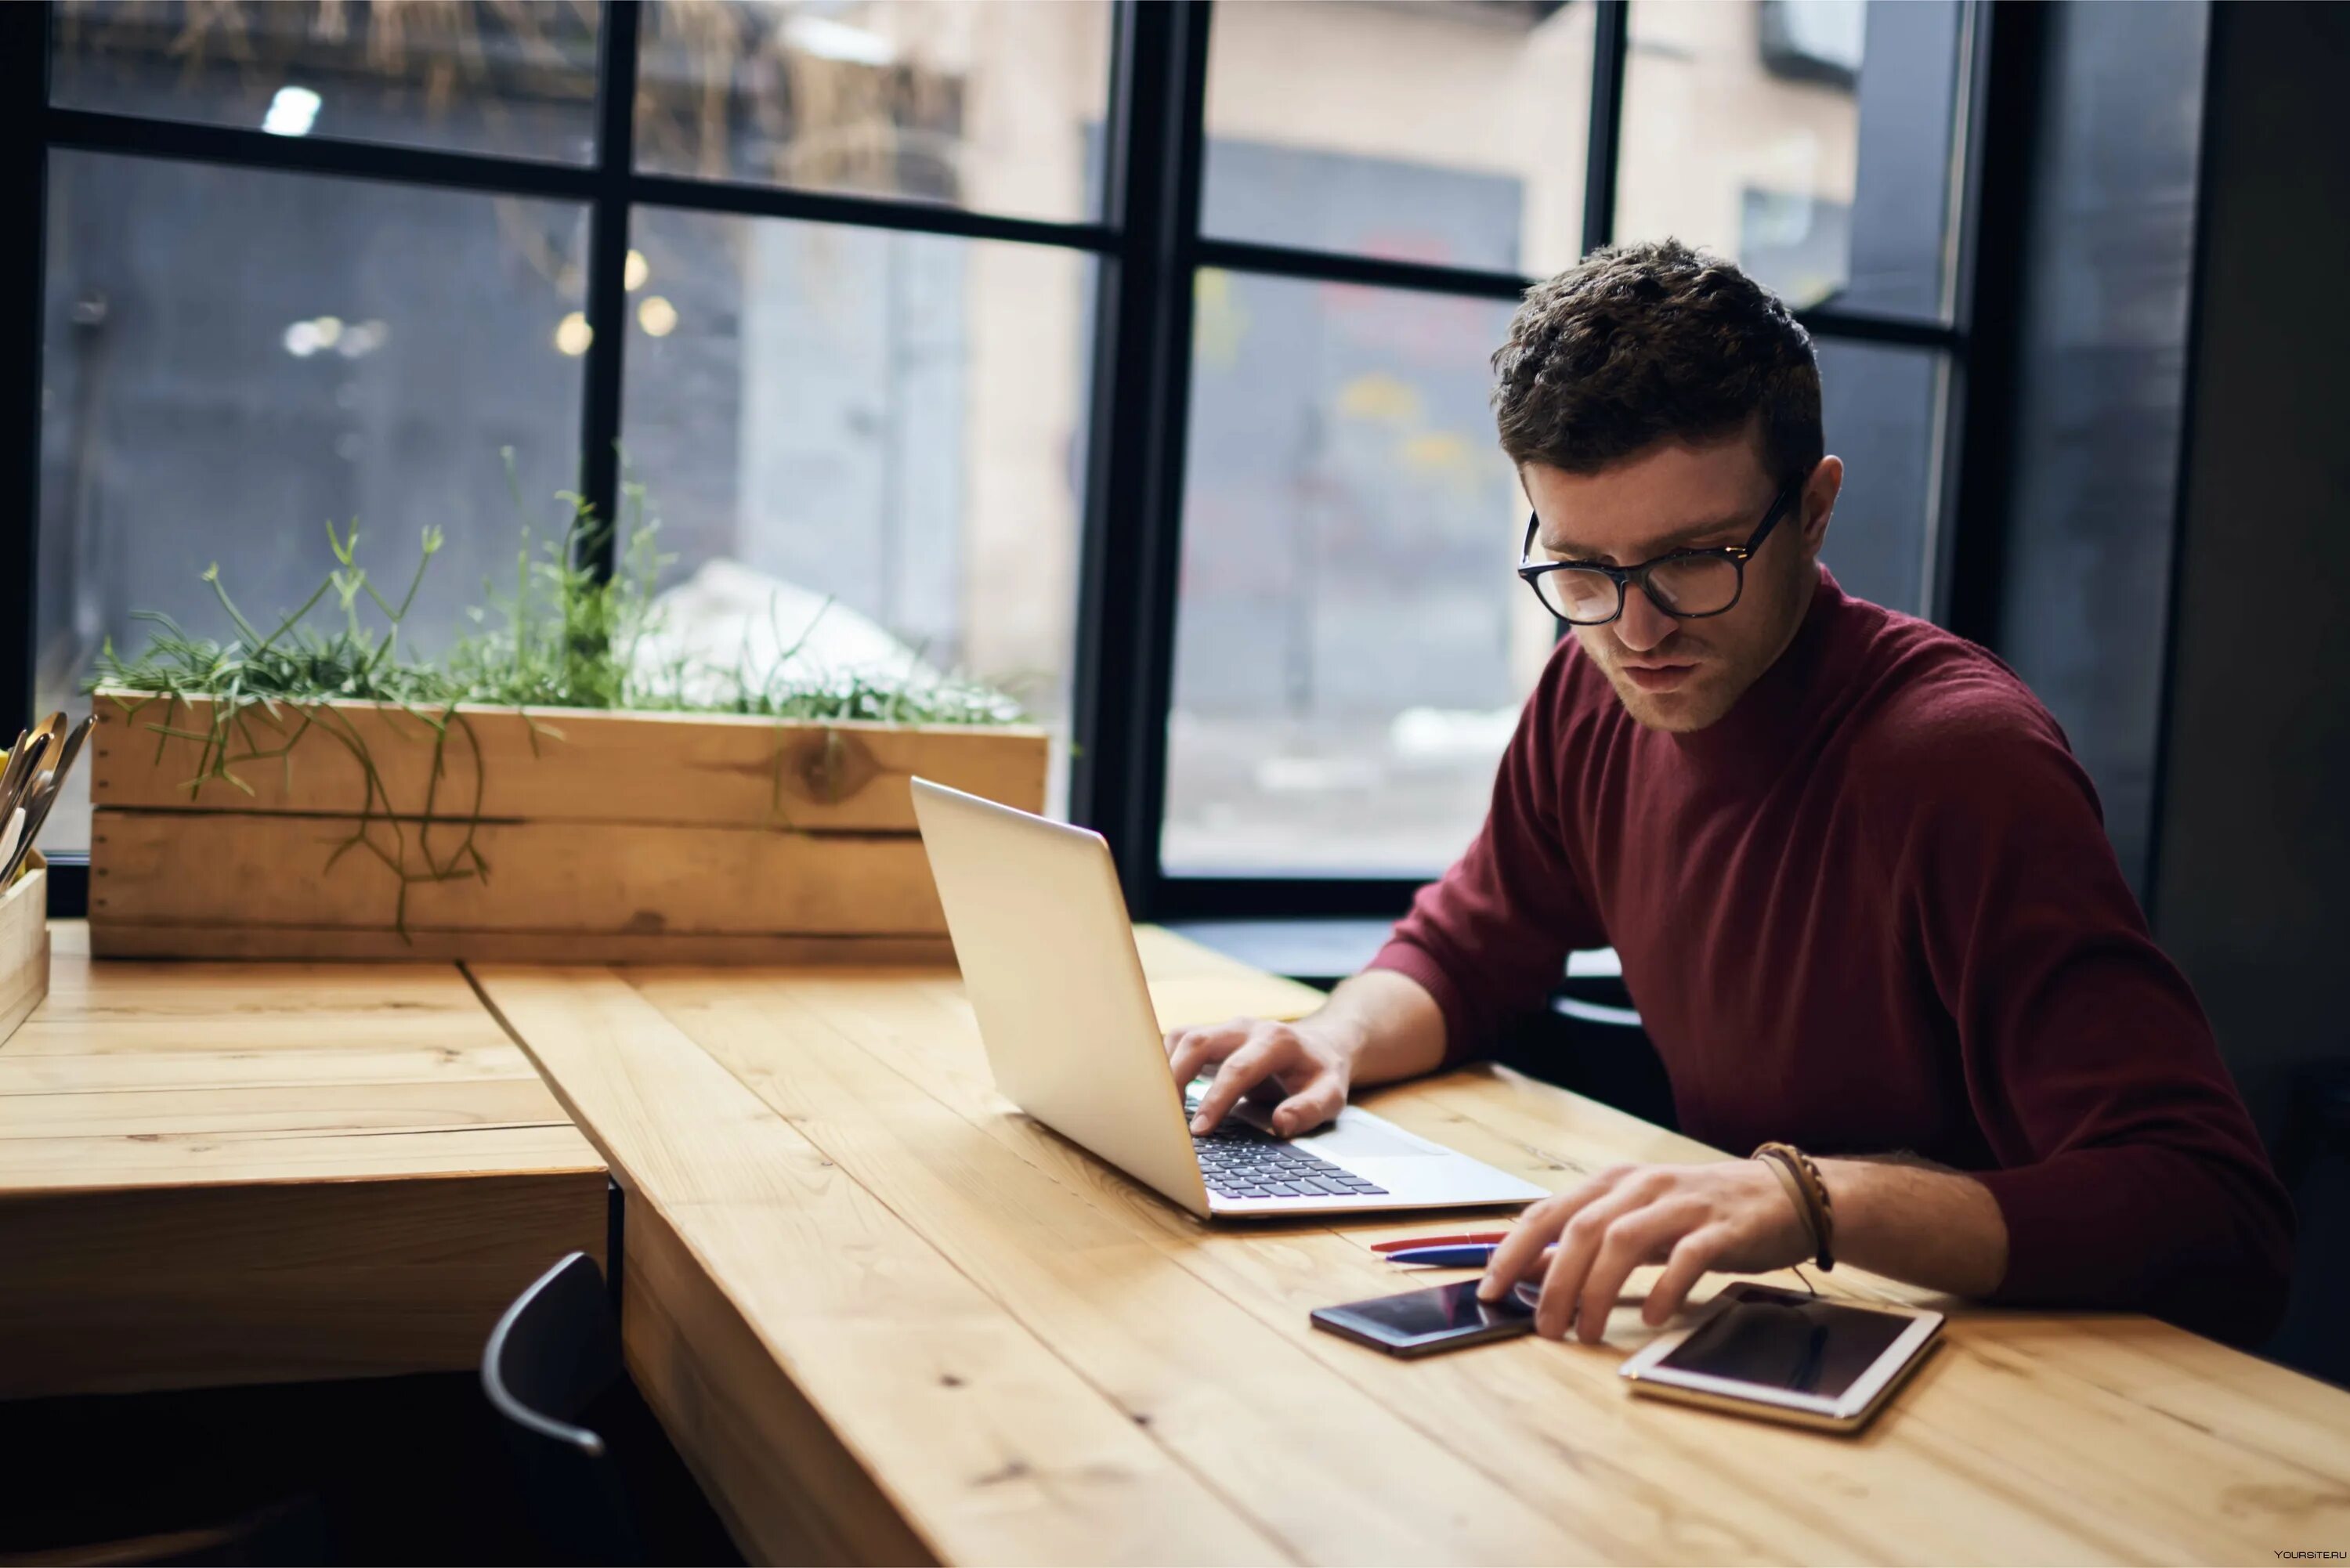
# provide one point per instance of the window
(236, 357)
(1129, 355)
(874, 429)
(1350, 650)
(868, 429)
(979, 103)
(1446, 134)
(513, 79)
(1882, 410)
(1810, 140)
(1351, 646)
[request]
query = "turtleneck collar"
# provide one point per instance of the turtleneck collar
(1770, 715)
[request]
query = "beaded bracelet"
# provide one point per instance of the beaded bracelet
(1811, 1192)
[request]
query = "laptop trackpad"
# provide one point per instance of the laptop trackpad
(1351, 1138)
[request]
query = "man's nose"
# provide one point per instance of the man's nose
(1642, 626)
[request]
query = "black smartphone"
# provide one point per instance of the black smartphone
(1420, 1322)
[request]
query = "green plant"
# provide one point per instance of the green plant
(567, 636)
(292, 674)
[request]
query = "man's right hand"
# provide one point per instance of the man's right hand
(1311, 1068)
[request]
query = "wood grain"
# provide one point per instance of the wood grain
(24, 944)
(169, 1287)
(214, 1173)
(375, 996)
(368, 831)
(161, 1160)
(67, 1059)
(1278, 1274)
(561, 766)
(274, 944)
(888, 1318)
(989, 1444)
(264, 871)
(262, 1110)
(787, 1488)
(1121, 1311)
(2029, 1437)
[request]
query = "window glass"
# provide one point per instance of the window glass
(510, 77)
(1449, 134)
(234, 359)
(1881, 410)
(1352, 644)
(888, 424)
(986, 104)
(1809, 139)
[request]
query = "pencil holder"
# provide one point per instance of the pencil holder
(24, 944)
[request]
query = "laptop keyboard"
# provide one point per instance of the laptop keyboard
(1241, 1162)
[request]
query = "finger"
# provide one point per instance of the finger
(1535, 1230)
(1245, 1068)
(1194, 1057)
(1520, 1250)
(1235, 1029)
(1201, 1049)
(1642, 1236)
(1692, 1256)
(1319, 1101)
(1231, 1031)
(1554, 1298)
(1578, 1246)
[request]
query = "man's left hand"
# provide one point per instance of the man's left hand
(1733, 1216)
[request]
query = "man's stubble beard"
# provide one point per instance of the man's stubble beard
(1724, 677)
(1692, 706)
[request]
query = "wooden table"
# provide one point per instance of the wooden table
(885, 1317)
(245, 1173)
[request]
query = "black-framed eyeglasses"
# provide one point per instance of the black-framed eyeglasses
(1687, 584)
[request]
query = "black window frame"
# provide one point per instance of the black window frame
(1147, 241)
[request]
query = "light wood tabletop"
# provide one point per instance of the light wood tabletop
(885, 1317)
(226, 1173)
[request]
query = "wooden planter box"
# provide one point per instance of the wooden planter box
(552, 834)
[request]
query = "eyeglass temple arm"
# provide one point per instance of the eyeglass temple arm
(1771, 519)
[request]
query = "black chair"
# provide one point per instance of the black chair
(553, 1355)
(1589, 1038)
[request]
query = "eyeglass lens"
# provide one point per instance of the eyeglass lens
(1696, 585)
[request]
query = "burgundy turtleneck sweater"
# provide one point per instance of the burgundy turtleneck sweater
(1873, 909)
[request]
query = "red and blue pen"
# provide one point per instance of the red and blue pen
(1472, 1251)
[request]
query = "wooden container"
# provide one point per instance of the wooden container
(24, 944)
(363, 830)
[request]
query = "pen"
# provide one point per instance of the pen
(1458, 1255)
(1413, 1244)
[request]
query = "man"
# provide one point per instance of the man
(1860, 888)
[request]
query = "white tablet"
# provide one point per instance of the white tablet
(1787, 1356)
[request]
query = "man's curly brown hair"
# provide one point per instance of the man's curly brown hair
(1642, 343)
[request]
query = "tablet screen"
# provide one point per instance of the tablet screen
(1778, 1339)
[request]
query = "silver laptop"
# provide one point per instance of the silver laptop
(1049, 963)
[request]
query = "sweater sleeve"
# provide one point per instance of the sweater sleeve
(1489, 938)
(2130, 1175)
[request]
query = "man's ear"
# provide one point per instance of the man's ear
(1819, 502)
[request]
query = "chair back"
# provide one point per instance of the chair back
(553, 1351)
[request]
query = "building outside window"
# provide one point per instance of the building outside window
(876, 417)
